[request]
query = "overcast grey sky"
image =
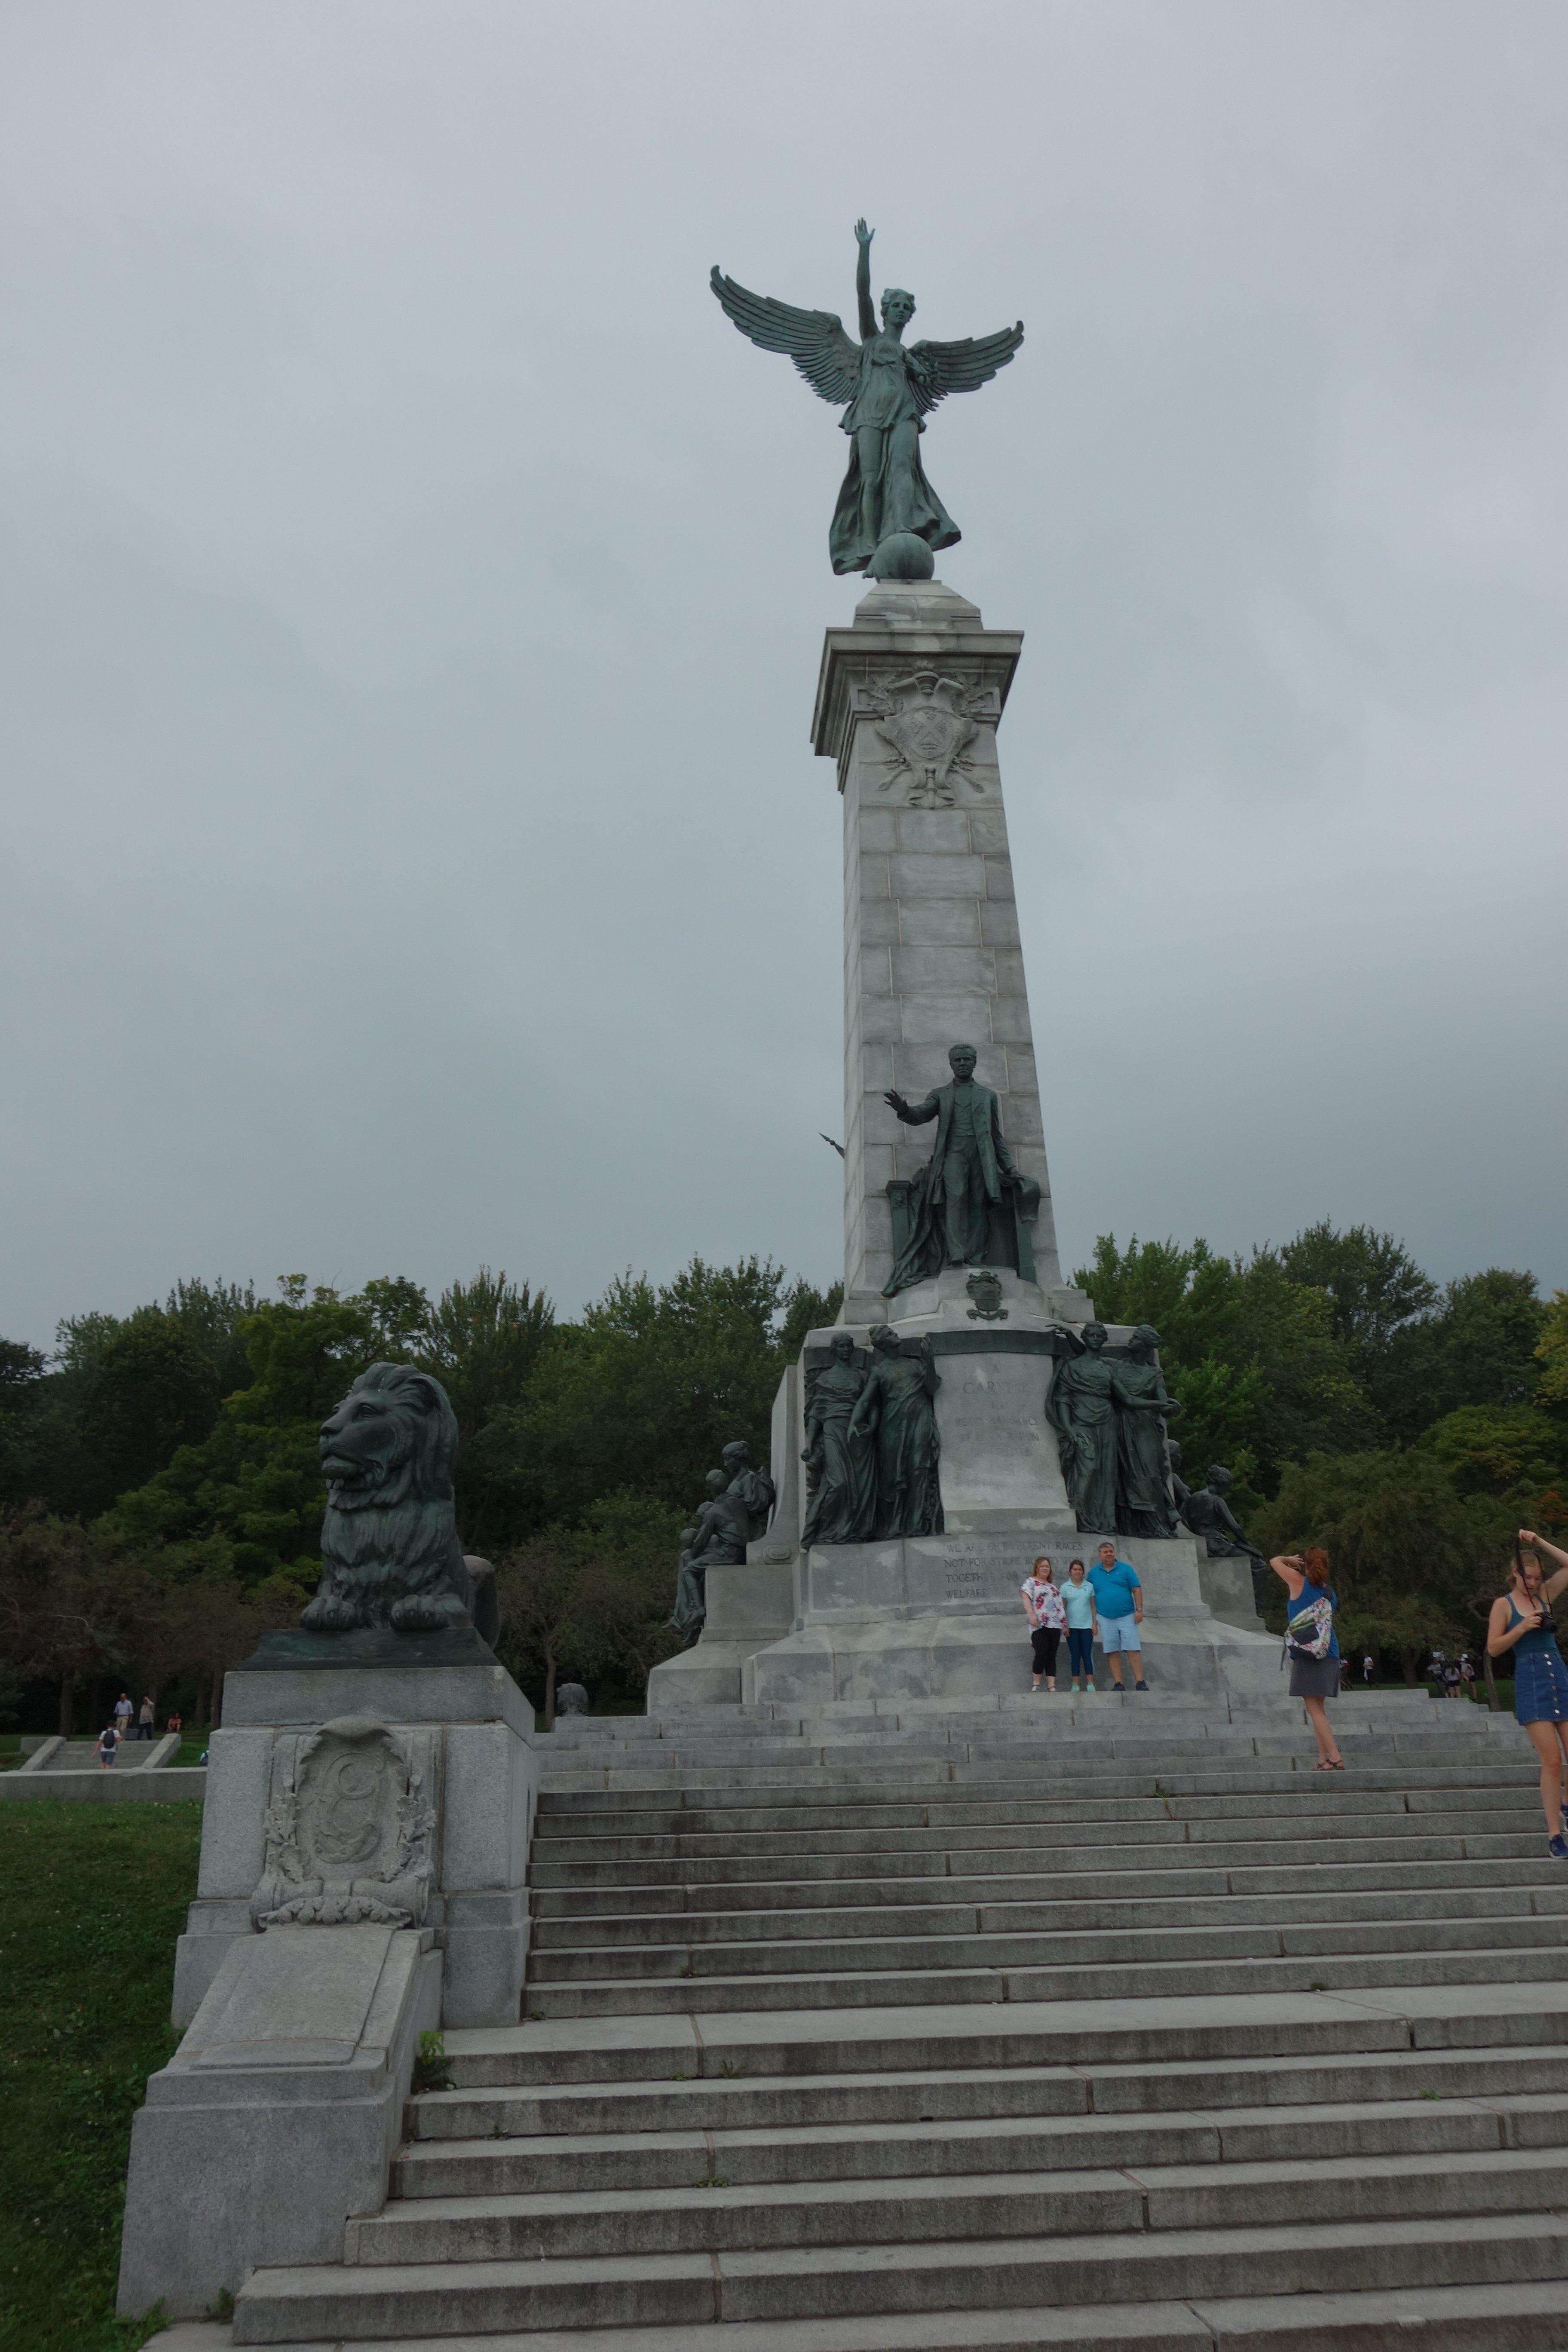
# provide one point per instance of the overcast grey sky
(412, 588)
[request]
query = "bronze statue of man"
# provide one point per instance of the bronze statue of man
(968, 1168)
(888, 518)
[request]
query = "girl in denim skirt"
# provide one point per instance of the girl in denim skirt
(1521, 1626)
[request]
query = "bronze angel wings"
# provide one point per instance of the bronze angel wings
(829, 359)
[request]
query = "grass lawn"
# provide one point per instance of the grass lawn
(91, 1899)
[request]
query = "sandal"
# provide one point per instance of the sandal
(1330, 1764)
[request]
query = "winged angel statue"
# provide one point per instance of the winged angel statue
(887, 519)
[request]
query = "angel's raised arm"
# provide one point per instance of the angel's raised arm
(863, 237)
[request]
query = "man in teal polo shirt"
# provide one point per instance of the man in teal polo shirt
(1119, 1602)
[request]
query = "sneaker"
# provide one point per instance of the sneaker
(1557, 1847)
(1088, 1690)
(1140, 1685)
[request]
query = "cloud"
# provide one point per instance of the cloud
(411, 592)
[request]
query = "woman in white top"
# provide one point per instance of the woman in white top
(1047, 1621)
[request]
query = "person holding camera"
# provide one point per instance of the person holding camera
(1522, 1627)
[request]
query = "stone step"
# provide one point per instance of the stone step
(879, 1941)
(356, 2301)
(1516, 2316)
(899, 2209)
(794, 1784)
(605, 1792)
(1021, 1981)
(1167, 1845)
(577, 1915)
(912, 1752)
(931, 1911)
(610, 1837)
(1136, 2030)
(1504, 2083)
(593, 2163)
(1175, 1870)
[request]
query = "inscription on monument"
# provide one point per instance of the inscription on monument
(976, 1574)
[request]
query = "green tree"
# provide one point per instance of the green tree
(148, 1389)
(215, 1314)
(1410, 1559)
(22, 1399)
(482, 1339)
(1477, 1347)
(1269, 1377)
(1373, 1285)
(256, 1478)
(1505, 1450)
(644, 1392)
(590, 1602)
(1551, 1353)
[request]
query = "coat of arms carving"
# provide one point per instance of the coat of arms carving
(351, 1832)
(928, 723)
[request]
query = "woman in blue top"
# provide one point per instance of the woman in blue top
(1521, 1625)
(1305, 1577)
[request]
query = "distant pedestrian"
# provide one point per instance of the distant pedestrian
(108, 1741)
(175, 1723)
(1452, 1679)
(1368, 1669)
(1312, 1645)
(1521, 1625)
(144, 1729)
(1468, 1674)
(1047, 1620)
(1119, 1606)
(123, 1711)
(1077, 1602)
(1344, 1675)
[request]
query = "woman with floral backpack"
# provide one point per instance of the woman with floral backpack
(1312, 1645)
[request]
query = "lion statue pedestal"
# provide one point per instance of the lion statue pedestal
(369, 1805)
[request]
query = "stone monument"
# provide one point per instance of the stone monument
(364, 1840)
(1008, 1420)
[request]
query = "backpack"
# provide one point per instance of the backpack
(1309, 1628)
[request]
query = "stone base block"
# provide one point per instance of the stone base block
(485, 1948)
(482, 1778)
(944, 1656)
(280, 2114)
(749, 1606)
(708, 1674)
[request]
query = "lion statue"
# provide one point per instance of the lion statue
(390, 1553)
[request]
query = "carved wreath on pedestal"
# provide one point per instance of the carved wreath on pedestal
(928, 723)
(350, 1835)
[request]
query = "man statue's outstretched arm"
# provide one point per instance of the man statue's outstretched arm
(863, 237)
(913, 1114)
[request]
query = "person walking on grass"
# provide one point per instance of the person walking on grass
(1522, 1624)
(1312, 1645)
(1119, 1606)
(108, 1741)
(1047, 1620)
(1077, 1607)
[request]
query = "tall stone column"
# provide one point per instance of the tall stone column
(908, 706)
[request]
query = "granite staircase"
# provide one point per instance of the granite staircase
(1079, 2024)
